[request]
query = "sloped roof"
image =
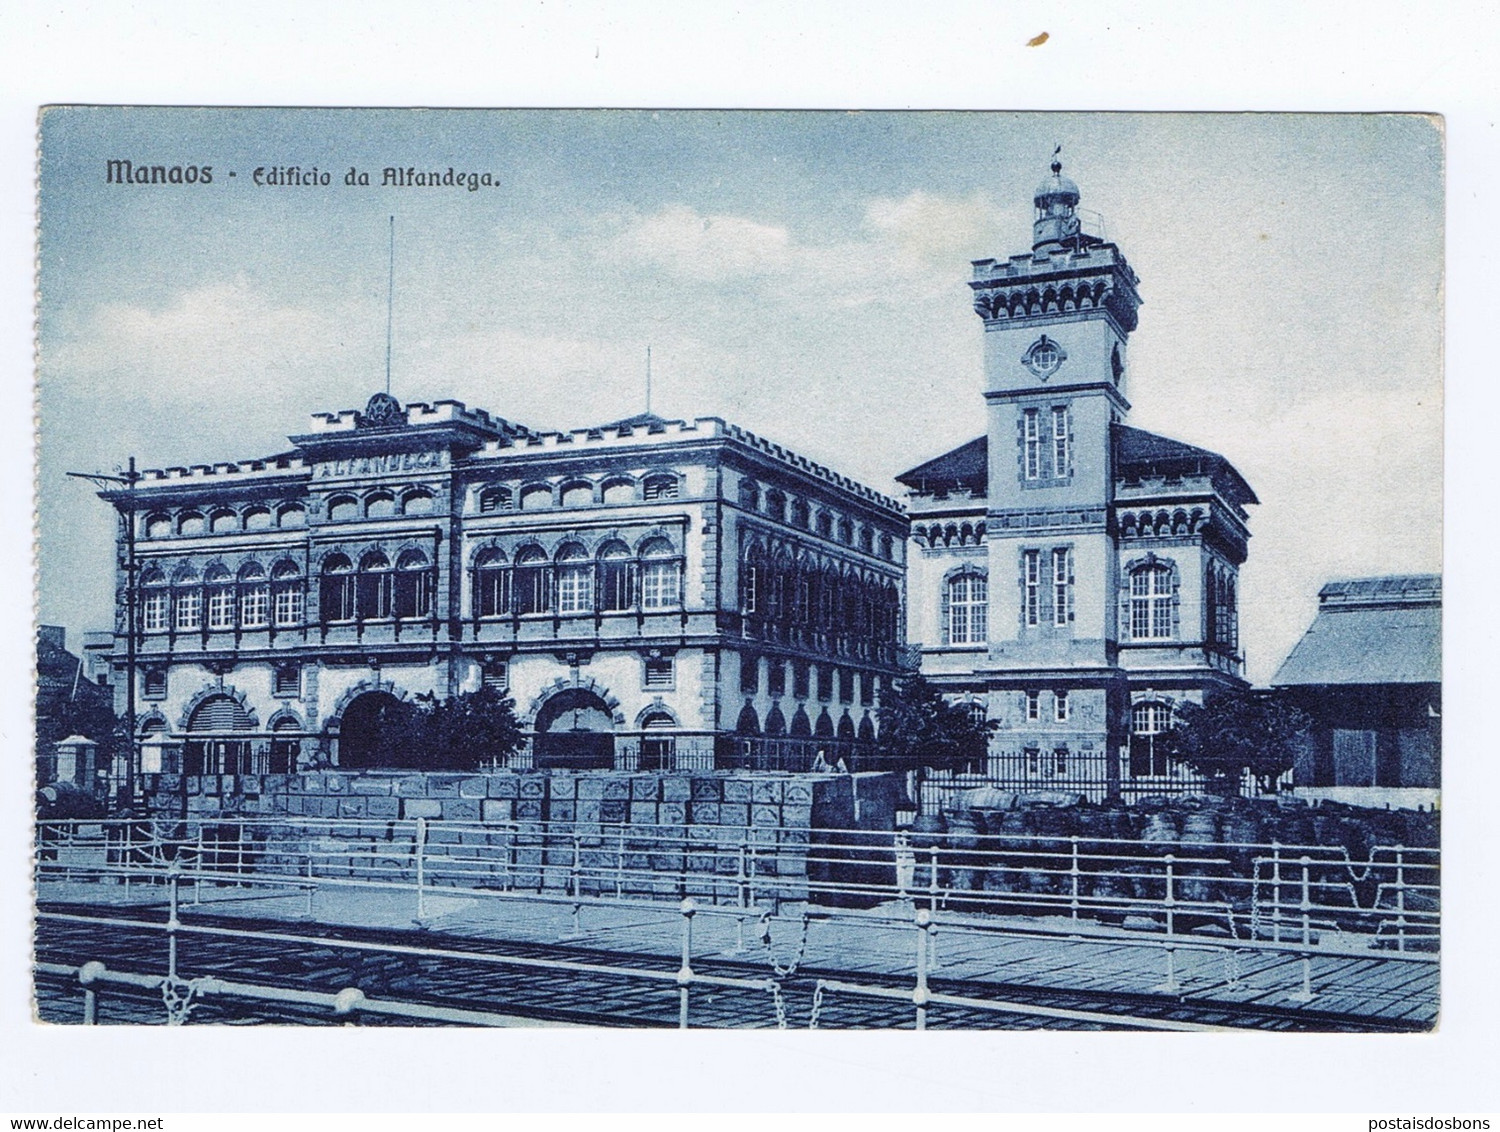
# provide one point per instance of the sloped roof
(965, 466)
(1371, 631)
(640, 420)
(1138, 452)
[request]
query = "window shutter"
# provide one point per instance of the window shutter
(1070, 586)
(1176, 603)
(1124, 621)
(945, 601)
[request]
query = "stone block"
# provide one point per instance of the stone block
(460, 809)
(474, 787)
(645, 788)
(616, 789)
(768, 792)
(529, 809)
(642, 813)
(613, 810)
(705, 813)
(737, 790)
(798, 794)
(312, 784)
(676, 789)
(384, 807)
(421, 808)
(370, 787)
(707, 790)
(194, 784)
(590, 789)
(562, 786)
(292, 803)
(412, 786)
(502, 786)
(497, 809)
(672, 813)
(271, 782)
(352, 806)
(734, 814)
(443, 785)
(587, 811)
(563, 811)
(796, 817)
(336, 783)
(168, 784)
(533, 786)
(766, 816)
(703, 833)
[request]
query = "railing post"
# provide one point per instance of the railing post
(419, 849)
(1276, 891)
(198, 869)
(1073, 877)
(920, 995)
(685, 972)
(1171, 900)
(88, 974)
(174, 873)
(1400, 898)
(1305, 994)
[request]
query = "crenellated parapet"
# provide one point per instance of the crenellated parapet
(1070, 281)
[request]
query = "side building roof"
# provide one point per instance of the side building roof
(1385, 630)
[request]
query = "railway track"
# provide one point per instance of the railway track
(330, 959)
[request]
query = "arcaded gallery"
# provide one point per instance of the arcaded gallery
(652, 593)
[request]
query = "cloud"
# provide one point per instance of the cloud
(703, 247)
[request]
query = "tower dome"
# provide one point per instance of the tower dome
(1056, 200)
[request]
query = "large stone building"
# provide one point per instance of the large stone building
(651, 592)
(1071, 576)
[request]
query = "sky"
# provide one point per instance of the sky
(800, 274)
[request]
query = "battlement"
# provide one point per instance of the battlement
(271, 466)
(1045, 265)
(418, 414)
(812, 468)
(621, 435)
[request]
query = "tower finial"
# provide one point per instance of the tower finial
(1056, 164)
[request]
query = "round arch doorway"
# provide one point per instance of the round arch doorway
(369, 732)
(575, 731)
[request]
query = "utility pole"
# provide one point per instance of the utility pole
(125, 507)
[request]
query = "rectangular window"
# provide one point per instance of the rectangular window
(1060, 452)
(825, 682)
(154, 683)
(776, 677)
(497, 676)
(658, 673)
(1032, 566)
(188, 611)
(287, 680)
(846, 686)
(865, 692)
(1033, 760)
(1060, 761)
(221, 608)
(1060, 705)
(575, 589)
(660, 586)
(1032, 444)
(154, 612)
(255, 607)
(749, 674)
(799, 679)
(1033, 706)
(1062, 586)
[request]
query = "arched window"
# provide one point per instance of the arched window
(287, 594)
(493, 499)
(342, 508)
(619, 490)
(536, 496)
(748, 722)
(799, 513)
(1151, 602)
(1149, 720)
(575, 580)
(418, 502)
(660, 486)
(336, 589)
(258, 519)
(966, 601)
(223, 521)
(491, 583)
(190, 523)
(373, 597)
(220, 587)
(866, 540)
(158, 526)
(578, 494)
(749, 495)
(617, 577)
(661, 575)
(380, 505)
(154, 601)
(846, 532)
(776, 505)
(291, 515)
(825, 525)
(533, 593)
(412, 588)
(255, 597)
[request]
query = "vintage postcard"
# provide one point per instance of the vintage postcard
(739, 569)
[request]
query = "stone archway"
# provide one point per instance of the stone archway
(574, 730)
(368, 728)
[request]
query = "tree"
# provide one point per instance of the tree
(467, 731)
(920, 728)
(1234, 732)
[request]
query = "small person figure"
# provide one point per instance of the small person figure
(820, 764)
(842, 767)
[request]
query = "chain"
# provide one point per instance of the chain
(778, 1002)
(817, 1006)
(765, 940)
(177, 996)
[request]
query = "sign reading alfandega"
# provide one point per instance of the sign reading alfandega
(386, 464)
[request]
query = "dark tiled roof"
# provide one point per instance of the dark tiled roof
(1138, 452)
(1372, 631)
(966, 466)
